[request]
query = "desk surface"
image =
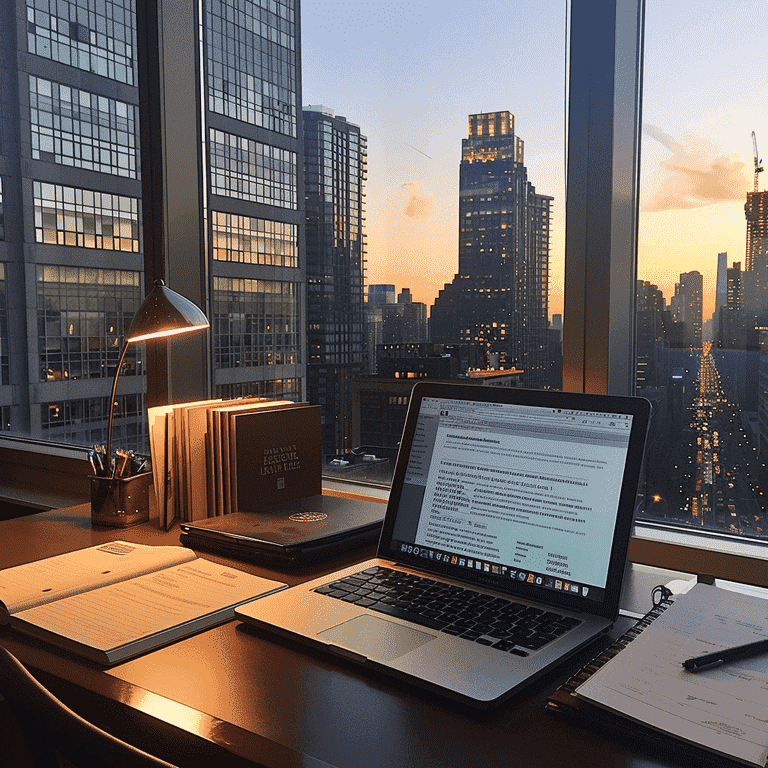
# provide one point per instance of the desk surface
(243, 698)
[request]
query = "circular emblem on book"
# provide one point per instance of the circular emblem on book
(308, 517)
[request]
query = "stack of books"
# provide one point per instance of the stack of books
(214, 457)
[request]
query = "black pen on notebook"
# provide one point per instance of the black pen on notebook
(709, 660)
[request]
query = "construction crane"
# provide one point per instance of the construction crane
(758, 166)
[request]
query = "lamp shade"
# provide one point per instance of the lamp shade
(165, 313)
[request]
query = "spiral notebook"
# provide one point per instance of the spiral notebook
(629, 690)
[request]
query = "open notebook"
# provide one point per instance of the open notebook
(503, 545)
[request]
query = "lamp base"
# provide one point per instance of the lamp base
(120, 502)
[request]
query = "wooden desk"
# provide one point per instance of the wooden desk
(239, 698)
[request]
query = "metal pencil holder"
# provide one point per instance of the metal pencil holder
(120, 502)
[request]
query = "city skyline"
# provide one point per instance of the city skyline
(385, 68)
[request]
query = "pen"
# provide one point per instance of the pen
(710, 660)
(92, 458)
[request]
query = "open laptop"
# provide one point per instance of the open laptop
(503, 545)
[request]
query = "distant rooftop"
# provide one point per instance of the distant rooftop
(328, 112)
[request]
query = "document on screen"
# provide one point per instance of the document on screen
(556, 493)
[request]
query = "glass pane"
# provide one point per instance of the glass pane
(462, 234)
(74, 252)
(702, 269)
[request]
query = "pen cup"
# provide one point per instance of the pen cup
(120, 502)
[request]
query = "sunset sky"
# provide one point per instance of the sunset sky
(410, 73)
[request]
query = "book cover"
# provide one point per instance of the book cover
(277, 456)
(229, 450)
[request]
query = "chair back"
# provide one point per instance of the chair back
(52, 729)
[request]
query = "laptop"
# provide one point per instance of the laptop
(503, 547)
(290, 533)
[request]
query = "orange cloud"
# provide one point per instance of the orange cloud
(694, 178)
(420, 205)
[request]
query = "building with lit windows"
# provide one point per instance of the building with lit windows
(498, 300)
(652, 330)
(686, 306)
(335, 157)
(756, 262)
(72, 253)
(756, 212)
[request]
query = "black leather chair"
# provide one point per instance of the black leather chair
(51, 729)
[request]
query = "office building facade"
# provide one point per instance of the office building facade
(756, 261)
(687, 306)
(72, 261)
(335, 157)
(498, 300)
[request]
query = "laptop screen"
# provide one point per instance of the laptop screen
(521, 495)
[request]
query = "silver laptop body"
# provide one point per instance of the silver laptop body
(506, 501)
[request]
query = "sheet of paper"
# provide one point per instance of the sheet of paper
(122, 613)
(56, 577)
(724, 709)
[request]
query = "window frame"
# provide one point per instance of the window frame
(605, 95)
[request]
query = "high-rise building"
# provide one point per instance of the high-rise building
(687, 306)
(405, 321)
(498, 300)
(380, 293)
(756, 262)
(652, 335)
(335, 157)
(72, 253)
(756, 212)
(721, 286)
(736, 328)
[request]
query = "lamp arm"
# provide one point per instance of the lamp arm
(108, 457)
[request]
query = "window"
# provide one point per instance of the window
(251, 170)
(85, 218)
(383, 177)
(254, 323)
(254, 241)
(76, 242)
(702, 269)
(93, 35)
(252, 70)
(74, 127)
(492, 110)
(82, 316)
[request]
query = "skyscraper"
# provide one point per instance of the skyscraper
(72, 253)
(721, 285)
(498, 300)
(756, 262)
(756, 212)
(652, 333)
(335, 157)
(687, 306)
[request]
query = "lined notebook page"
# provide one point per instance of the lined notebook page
(42, 581)
(122, 613)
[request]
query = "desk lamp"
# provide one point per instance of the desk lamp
(163, 313)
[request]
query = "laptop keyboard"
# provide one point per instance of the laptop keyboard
(494, 621)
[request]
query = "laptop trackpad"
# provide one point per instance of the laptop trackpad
(376, 638)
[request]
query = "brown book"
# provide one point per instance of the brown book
(217, 447)
(277, 456)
